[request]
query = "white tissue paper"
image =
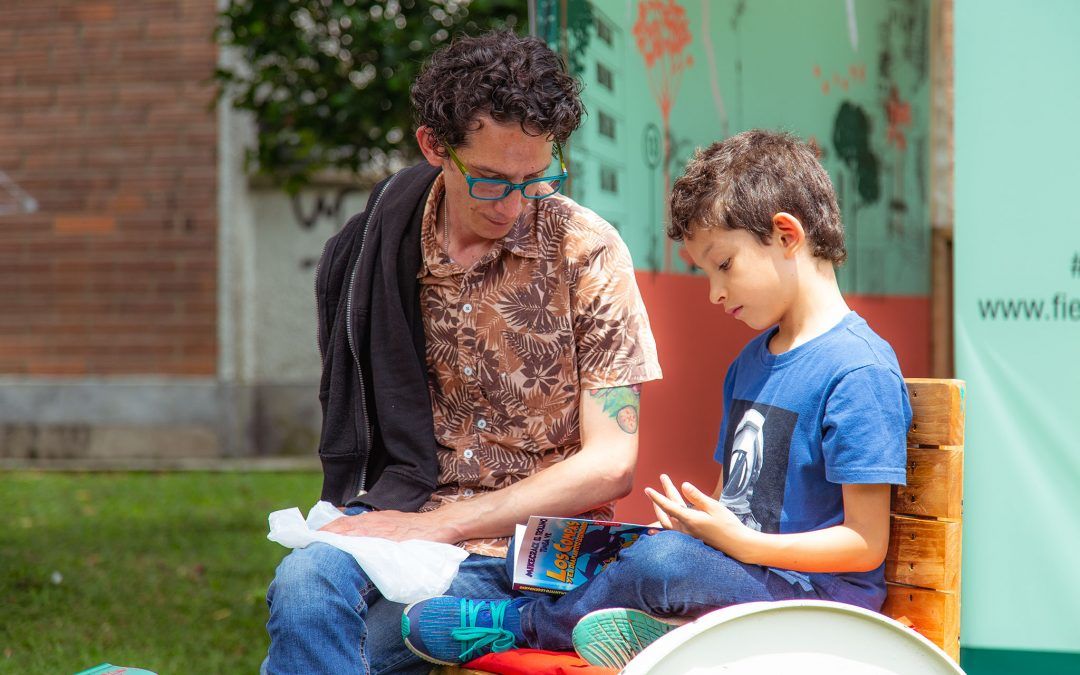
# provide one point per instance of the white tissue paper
(403, 571)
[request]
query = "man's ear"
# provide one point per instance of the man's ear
(788, 233)
(430, 146)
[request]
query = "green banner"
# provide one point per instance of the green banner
(1017, 275)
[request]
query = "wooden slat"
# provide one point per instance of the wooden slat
(935, 614)
(935, 484)
(937, 408)
(924, 553)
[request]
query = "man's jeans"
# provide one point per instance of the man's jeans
(666, 574)
(327, 617)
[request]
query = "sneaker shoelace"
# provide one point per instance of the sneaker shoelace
(474, 638)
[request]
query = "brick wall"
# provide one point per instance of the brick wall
(106, 120)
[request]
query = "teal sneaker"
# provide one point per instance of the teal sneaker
(451, 631)
(110, 669)
(611, 637)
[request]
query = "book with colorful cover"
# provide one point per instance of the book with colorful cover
(555, 555)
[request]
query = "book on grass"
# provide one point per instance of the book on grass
(555, 555)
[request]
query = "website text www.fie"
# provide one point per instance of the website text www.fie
(1060, 307)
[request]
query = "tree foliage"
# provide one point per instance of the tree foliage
(328, 80)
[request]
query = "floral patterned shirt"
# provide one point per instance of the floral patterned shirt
(551, 310)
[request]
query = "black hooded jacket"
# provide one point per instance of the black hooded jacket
(378, 443)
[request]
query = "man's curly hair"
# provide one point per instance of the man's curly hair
(509, 77)
(740, 183)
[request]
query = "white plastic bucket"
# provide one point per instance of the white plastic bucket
(795, 636)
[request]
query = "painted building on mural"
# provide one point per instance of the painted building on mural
(663, 77)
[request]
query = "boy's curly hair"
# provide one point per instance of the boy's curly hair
(509, 77)
(743, 181)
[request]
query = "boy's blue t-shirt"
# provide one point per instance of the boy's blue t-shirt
(799, 425)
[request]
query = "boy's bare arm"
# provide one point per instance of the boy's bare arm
(857, 545)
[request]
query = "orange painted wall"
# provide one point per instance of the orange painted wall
(680, 415)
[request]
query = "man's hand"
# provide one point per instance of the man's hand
(704, 518)
(394, 525)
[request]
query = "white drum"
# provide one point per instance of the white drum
(795, 636)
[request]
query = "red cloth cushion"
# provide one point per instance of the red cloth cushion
(536, 662)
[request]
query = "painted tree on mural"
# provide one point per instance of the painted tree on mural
(662, 33)
(568, 25)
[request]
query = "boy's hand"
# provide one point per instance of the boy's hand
(663, 517)
(704, 518)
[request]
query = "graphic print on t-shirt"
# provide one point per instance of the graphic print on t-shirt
(755, 463)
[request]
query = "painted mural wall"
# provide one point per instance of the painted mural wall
(663, 77)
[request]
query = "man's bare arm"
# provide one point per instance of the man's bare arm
(603, 470)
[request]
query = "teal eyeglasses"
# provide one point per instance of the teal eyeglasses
(494, 189)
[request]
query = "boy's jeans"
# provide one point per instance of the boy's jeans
(327, 617)
(667, 574)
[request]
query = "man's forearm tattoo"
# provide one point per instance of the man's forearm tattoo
(621, 404)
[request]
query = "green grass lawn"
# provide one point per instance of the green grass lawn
(166, 572)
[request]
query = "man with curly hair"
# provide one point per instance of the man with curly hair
(484, 343)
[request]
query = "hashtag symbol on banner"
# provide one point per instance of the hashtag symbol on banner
(1076, 265)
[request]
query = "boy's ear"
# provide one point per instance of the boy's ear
(788, 233)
